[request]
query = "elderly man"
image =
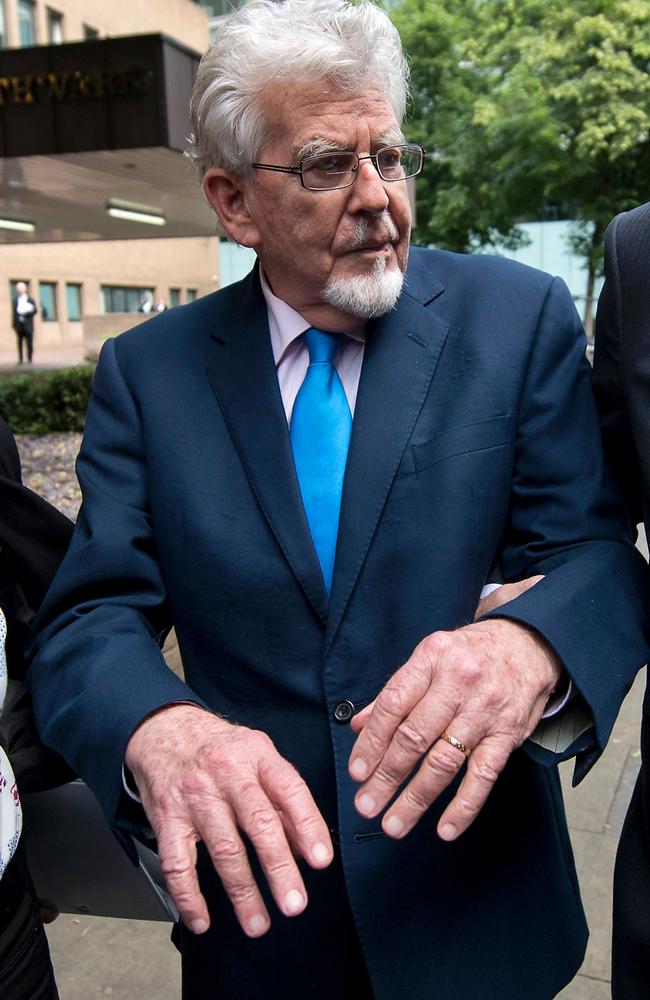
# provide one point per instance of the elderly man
(313, 474)
(23, 312)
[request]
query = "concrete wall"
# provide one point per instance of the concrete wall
(191, 263)
(181, 19)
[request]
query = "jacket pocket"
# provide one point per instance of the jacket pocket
(476, 436)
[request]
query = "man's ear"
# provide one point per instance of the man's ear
(226, 193)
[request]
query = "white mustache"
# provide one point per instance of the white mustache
(366, 229)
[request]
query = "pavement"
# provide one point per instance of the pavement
(44, 358)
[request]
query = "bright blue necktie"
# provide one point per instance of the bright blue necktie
(321, 423)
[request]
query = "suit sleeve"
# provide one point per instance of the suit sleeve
(568, 523)
(97, 670)
(618, 437)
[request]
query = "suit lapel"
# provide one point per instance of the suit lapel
(244, 380)
(401, 354)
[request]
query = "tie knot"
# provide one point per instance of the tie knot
(322, 346)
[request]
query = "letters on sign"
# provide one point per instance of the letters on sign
(76, 85)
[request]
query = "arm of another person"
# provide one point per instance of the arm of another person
(103, 694)
(618, 437)
(487, 684)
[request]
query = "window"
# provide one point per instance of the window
(73, 302)
(121, 298)
(3, 27)
(90, 32)
(191, 294)
(54, 27)
(47, 296)
(174, 297)
(26, 23)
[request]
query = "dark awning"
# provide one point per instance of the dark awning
(94, 125)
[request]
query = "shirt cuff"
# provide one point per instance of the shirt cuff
(128, 784)
(559, 698)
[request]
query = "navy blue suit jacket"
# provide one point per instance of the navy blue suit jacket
(475, 441)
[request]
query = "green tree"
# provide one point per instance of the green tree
(525, 104)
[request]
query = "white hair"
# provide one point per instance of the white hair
(298, 41)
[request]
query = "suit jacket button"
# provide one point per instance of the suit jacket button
(343, 711)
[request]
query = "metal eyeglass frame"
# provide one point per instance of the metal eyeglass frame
(298, 171)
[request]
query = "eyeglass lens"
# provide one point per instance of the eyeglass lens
(332, 170)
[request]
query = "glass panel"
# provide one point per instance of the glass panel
(47, 295)
(54, 27)
(3, 30)
(73, 300)
(26, 23)
(174, 297)
(191, 294)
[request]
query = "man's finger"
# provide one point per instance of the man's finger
(438, 769)
(231, 863)
(359, 720)
(306, 828)
(412, 739)
(260, 821)
(395, 702)
(177, 852)
(484, 767)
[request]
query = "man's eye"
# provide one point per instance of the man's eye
(390, 159)
(330, 163)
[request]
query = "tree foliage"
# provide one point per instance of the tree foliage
(526, 104)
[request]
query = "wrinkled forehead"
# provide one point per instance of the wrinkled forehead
(300, 115)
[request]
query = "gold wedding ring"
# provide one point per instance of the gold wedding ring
(456, 744)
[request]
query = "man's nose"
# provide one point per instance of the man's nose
(368, 193)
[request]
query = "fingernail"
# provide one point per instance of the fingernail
(366, 804)
(358, 768)
(393, 826)
(448, 831)
(320, 853)
(257, 925)
(199, 926)
(294, 902)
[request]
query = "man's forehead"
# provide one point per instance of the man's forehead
(305, 113)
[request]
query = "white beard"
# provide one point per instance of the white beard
(366, 296)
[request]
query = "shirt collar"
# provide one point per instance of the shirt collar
(286, 324)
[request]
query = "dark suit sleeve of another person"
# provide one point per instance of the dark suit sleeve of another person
(34, 537)
(622, 385)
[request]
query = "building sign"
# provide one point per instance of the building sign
(110, 93)
(76, 85)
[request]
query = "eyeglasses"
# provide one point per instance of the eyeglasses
(330, 171)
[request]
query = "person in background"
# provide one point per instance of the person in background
(24, 310)
(161, 305)
(313, 474)
(33, 539)
(622, 387)
(146, 303)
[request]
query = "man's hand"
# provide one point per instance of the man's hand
(486, 686)
(503, 594)
(202, 778)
